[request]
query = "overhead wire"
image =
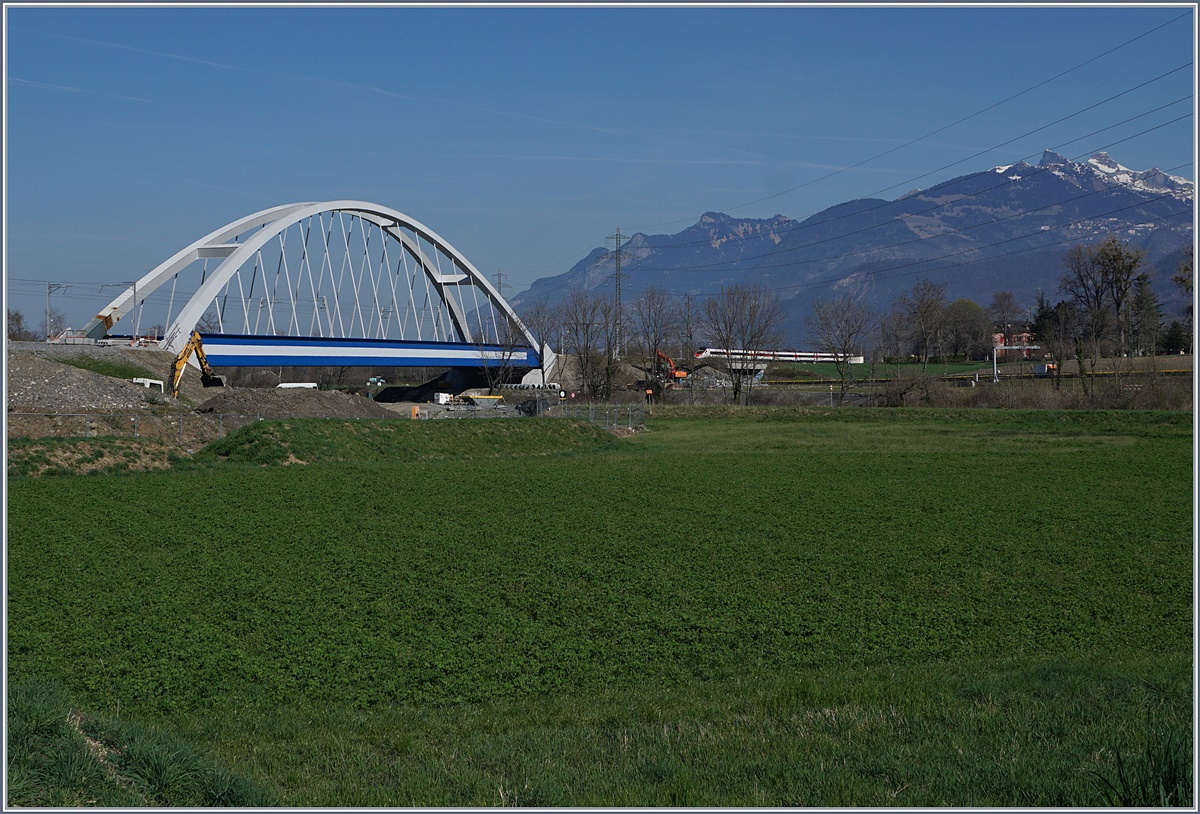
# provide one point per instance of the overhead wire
(584, 253)
(65, 288)
(723, 265)
(802, 224)
(946, 127)
(877, 274)
(1078, 221)
(911, 142)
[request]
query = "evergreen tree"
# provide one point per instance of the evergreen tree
(1145, 316)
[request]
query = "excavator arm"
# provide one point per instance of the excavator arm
(674, 374)
(207, 377)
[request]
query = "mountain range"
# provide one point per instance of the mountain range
(1003, 229)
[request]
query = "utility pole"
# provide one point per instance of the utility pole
(49, 288)
(507, 337)
(617, 238)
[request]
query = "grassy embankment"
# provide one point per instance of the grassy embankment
(821, 608)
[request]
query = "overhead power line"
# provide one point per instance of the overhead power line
(946, 127)
(913, 179)
(723, 265)
(876, 274)
(881, 274)
(584, 252)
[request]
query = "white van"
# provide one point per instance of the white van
(305, 385)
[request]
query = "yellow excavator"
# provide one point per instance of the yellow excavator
(207, 377)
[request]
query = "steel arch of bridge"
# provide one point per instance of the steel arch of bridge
(388, 265)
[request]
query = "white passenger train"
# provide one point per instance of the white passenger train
(763, 356)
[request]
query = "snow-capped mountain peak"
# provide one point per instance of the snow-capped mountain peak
(1153, 180)
(1104, 163)
(1101, 168)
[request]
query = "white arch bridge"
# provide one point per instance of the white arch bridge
(339, 283)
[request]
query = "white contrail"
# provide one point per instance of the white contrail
(333, 83)
(29, 83)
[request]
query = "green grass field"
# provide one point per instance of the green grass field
(827, 371)
(869, 607)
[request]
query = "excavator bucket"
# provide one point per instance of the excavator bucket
(211, 380)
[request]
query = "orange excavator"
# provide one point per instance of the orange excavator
(207, 377)
(668, 372)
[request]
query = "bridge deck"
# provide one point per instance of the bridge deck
(234, 350)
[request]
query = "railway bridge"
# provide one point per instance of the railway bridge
(334, 283)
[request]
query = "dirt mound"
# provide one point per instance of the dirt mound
(51, 383)
(292, 403)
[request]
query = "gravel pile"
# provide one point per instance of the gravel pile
(293, 403)
(37, 383)
(41, 381)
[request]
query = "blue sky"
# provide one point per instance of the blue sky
(525, 136)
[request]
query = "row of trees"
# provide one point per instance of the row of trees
(1107, 308)
(587, 330)
(920, 325)
(19, 329)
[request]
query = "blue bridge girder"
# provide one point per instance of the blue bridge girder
(241, 350)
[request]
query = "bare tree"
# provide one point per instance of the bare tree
(654, 321)
(56, 325)
(891, 335)
(687, 325)
(612, 324)
(840, 326)
(590, 339)
(1004, 311)
(1060, 337)
(1097, 282)
(18, 331)
(741, 318)
(893, 344)
(541, 318)
(1055, 327)
(497, 360)
(209, 322)
(1119, 265)
(1085, 289)
(923, 309)
(968, 329)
